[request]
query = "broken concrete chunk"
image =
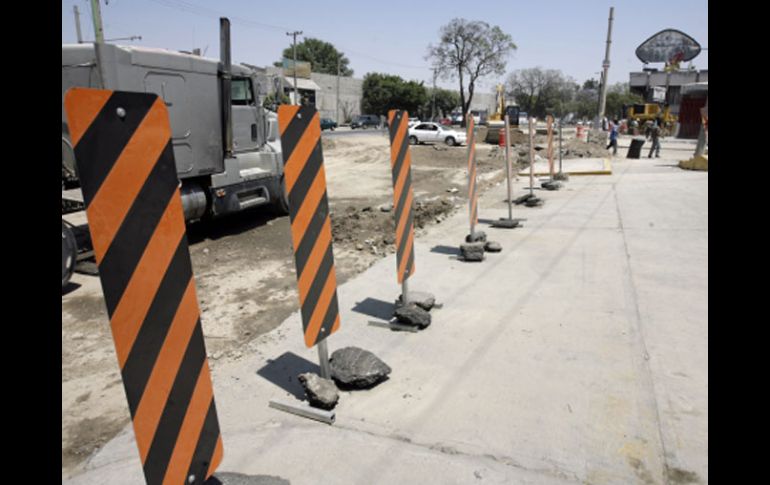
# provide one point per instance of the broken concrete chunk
(422, 299)
(561, 176)
(411, 314)
(522, 199)
(472, 251)
(477, 236)
(551, 185)
(386, 207)
(357, 368)
(534, 202)
(492, 247)
(320, 392)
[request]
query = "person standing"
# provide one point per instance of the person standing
(653, 132)
(613, 137)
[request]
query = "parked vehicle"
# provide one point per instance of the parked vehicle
(327, 124)
(226, 145)
(435, 133)
(363, 121)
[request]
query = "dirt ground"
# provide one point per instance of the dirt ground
(245, 276)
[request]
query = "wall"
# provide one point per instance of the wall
(351, 92)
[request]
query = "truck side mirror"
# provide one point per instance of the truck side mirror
(272, 129)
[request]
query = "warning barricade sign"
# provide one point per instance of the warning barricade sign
(305, 184)
(125, 160)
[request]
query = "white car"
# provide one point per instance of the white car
(435, 133)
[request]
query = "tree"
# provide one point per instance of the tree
(470, 49)
(321, 55)
(383, 92)
(541, 92)
(591, 84)
(446, 101)
(618, 96)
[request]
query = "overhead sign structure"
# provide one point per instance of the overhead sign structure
(122, 144)
(305, 184)
(401, 166)
(669, 46)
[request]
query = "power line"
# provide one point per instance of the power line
(209, 13)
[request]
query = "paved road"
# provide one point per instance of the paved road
(577, 355)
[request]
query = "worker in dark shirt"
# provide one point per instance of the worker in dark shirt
(653, 132)
(613, 137)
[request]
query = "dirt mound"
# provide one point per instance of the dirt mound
(368, 228)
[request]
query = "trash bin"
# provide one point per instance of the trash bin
(635, 149)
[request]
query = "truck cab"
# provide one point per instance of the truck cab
(218, 176)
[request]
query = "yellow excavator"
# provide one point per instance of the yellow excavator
(496, 121)
(643, 113)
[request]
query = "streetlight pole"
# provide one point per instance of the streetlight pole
(296, 89)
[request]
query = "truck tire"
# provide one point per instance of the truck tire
(69, 252)
(281, 203)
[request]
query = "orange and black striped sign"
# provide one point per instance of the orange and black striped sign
(473, 196)
(125, 161)
(549, 124)
(401, 165)
(311, 231)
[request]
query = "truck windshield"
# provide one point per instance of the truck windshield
(241, 91)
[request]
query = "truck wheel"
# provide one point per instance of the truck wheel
(281, 203)
(69, 252)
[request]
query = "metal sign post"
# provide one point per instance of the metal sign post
(549, 123)
(510, 222)
(560, 169)
(531, 157)
(508, 164)
(472, 195)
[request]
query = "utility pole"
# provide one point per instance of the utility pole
(337, 112)
(77, 24)
(296, 89)
(606, 66)
(96, 15)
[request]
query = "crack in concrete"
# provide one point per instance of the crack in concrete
(445, 449)
(640, 329)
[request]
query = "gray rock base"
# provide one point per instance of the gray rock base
(355, 368)
(411, 314)
(422, 299)
(561, 176)
(492, 247)
(534, 202)
(229, 478)
(478, 236)
(320, 392)
(472, 251)
(524, 198)
(506, 223)
(552, 185)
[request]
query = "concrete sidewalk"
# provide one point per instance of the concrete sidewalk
(577, 355)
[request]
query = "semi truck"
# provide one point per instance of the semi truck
(226, 145)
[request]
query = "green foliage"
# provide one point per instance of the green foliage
(619, 95)
(321, 55)
(541, 92)
(270, 101)
(383, 92)
(446, 102)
